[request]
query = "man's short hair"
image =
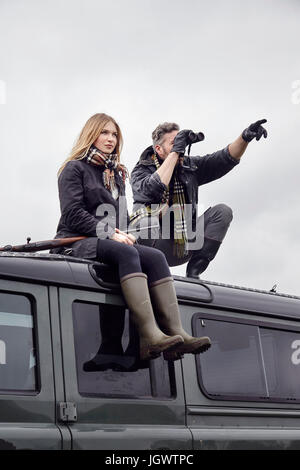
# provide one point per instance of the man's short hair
(162, 129)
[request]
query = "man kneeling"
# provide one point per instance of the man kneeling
(165, 190)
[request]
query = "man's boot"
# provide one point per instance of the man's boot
(201, 259)
(165, 305)
(152, 340)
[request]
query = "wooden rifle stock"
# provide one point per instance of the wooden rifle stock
(41, 245)
(56, 242)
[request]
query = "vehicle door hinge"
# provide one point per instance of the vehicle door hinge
(67, 412)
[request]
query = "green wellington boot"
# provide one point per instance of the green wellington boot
(152, 340)
(165, 306)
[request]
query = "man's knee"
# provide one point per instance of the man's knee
(225, 212)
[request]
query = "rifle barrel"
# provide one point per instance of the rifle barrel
(41, 245)
(48, 244)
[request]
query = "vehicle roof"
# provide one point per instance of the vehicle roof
(87, 274)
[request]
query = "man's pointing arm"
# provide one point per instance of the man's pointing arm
(255, 130)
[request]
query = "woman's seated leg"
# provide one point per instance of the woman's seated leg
(119, 254)
(153, 263)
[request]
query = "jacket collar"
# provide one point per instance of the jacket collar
(146, 156)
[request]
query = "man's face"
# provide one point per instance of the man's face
(164, 149)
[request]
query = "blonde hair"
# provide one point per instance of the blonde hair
(89, 134)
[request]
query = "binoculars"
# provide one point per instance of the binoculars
(195, 137)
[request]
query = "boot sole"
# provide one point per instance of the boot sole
(185, 349)
(172, 355)
(102, 362)
(152, 352)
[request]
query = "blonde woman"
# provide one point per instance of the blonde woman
(91, 185)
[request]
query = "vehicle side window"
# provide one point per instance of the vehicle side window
(281, 352)
(249, 362)
(17, 350)
(106, 348)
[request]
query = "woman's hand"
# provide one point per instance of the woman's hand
(128, 235)
(123, 237)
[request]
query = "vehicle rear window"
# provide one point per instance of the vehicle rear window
(17, 351)
(106, 349)
(249, 361)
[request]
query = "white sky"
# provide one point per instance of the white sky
(211, 66)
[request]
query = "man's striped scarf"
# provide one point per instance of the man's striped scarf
(180, 231)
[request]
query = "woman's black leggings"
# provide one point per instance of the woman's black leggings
(134, 259)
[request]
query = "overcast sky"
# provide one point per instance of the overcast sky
(213, 66)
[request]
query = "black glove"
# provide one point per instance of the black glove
(181, 141)
(255, 130)
(184, 138)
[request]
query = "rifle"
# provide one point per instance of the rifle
(56, 242)
(41, 245)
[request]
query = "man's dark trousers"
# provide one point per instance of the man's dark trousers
(212, 225)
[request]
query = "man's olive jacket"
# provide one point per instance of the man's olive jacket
(147, 187)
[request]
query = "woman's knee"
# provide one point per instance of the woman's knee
(154, 263)
(152, 255)
(112, 251)
(128, 260)
(158, 255)
(128, 253)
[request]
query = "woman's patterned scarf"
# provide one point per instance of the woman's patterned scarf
(110, 162)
